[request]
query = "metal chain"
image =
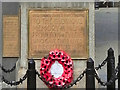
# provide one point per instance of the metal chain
(117, 69)
(65, 86)
(14, 82)
(102, 64)
(42, 78)
(112, 79)
(77, 80)
(114, 75)
(9, 70)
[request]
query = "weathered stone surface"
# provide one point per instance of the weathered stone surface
(79, 66)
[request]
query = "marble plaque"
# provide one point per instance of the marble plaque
(11, 36)
(58, 29)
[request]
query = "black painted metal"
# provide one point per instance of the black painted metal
(119, 73)
(31, 80)
(90, 74)
(110, 68)
(90, 80)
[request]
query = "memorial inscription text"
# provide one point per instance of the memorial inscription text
(11, 36)
(58, 29)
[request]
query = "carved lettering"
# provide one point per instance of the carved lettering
(65, 30)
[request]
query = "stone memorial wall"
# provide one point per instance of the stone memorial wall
(58, 29)
(11, 36)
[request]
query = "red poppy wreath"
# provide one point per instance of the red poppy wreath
(63, 76)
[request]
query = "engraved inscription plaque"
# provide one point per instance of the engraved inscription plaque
(11, 35)
(58, 29)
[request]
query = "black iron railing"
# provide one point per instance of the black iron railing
(113, 74)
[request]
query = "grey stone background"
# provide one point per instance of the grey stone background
(106, 35)
(0, 41)
(24, 35)
(9, 8)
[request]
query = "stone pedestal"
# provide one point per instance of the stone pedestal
(79, 65)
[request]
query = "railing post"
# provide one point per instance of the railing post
(31, 80)
(110, 68)
(90, 79)
(119, 73)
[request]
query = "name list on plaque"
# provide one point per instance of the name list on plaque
(11, 36)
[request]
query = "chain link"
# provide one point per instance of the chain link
(112, 79)
(14, 82)
(9, 70)
(77, 80)
(114, 74)
(102, 64)
(117, 69)
(42, 78)
(65, 86)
